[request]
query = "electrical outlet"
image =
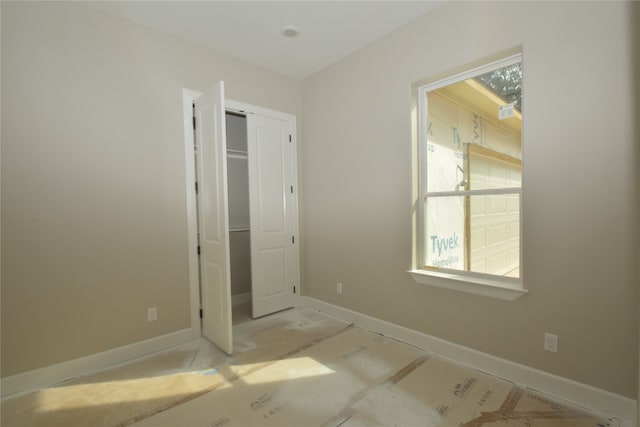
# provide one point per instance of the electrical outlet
(551, 343)
(152, 314)
(339, 288)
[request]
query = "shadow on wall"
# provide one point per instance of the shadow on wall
(634, 16)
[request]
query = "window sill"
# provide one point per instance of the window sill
(472, 285)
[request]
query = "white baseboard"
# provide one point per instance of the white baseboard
(38, 378)
(609, 404)
(239, 299)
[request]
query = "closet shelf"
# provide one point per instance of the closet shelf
(236, 154)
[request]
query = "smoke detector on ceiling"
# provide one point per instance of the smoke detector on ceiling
(290, 31)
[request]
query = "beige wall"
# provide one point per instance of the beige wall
(579, 183)
(634, 18)
(93, 177)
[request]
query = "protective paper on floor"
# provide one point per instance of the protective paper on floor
(436, 393)
(444, 394)
(307, 389)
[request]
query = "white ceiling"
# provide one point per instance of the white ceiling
(250, 30)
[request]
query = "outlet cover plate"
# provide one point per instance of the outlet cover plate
(551, 343)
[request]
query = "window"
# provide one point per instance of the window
(470, 181)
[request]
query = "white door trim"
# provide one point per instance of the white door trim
(188, 96)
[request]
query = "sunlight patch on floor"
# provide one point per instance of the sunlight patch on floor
(293, 368)
(124, 391)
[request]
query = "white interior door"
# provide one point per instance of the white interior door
(213, 217)
(270, 199)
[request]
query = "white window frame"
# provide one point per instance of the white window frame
(489, 285)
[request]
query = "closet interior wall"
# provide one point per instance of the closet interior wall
(238, 189)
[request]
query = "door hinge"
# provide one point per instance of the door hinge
(194, 122)
(196, 187)
(292, 189)
(294, 290)
(289, 135)
(201, 316)
(293, 239)
(198, 249)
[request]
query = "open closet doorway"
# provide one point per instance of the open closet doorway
(243, 216)
(238, 196)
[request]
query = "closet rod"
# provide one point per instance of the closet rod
(235, 230)
(236, 113)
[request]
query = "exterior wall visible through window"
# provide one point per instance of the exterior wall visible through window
(470, 149)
